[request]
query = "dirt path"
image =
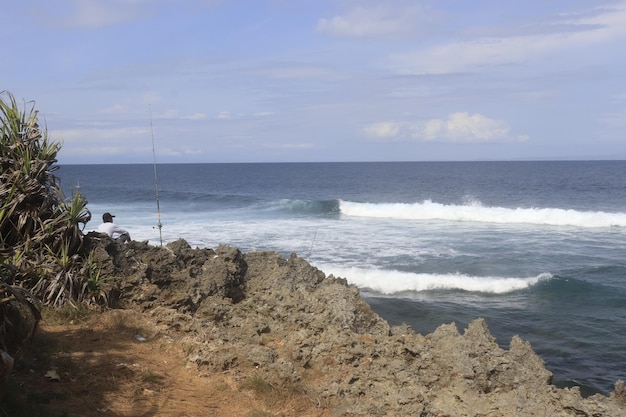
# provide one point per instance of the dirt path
(104, 368)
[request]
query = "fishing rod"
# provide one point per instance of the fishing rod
(156, 183)
(312, 243)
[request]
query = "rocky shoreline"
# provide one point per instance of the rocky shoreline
(288, 323)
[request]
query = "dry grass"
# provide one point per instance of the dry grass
(97, 367)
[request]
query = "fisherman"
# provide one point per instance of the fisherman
(114, 231)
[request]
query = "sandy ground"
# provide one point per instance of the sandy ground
(104, 367)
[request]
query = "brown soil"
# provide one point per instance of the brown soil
(100, 368)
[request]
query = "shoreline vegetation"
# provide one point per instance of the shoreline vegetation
(279, 336)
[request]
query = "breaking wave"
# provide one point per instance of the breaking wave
(394, 282)
(475, 212)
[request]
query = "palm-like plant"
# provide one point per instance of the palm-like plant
(40, 232)
(37, 222)
(27, 161)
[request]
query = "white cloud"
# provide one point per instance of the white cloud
(225, 115)
(116, 109)
(463, 127)
(180, 152)
(110, 143)
(196, 116)
(263, 114)
(460, 127)
(137, 103)
(168, 114)
(121, 135)
(172, 114)
(377, 21)
(383, 130)
(604, 26)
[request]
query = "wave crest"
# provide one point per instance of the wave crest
(475, 212)
(306, 206)
(394, 282)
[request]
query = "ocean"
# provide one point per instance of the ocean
(538, 249)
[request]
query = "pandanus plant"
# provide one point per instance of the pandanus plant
(40, 230)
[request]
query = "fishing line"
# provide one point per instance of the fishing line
(156, 183)
(312, 243)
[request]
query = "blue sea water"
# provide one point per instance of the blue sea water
(538, 249)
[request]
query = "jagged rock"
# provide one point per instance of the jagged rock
(287, 321)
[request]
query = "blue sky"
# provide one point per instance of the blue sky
(321, 80)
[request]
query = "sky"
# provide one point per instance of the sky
(186, 81)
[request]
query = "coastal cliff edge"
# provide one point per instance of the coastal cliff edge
(259, 313)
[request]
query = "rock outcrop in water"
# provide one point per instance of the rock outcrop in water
(258, 313)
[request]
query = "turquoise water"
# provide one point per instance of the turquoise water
(536, 248)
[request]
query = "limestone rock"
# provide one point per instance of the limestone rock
(285, 319)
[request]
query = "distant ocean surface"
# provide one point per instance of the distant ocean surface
(538, 249)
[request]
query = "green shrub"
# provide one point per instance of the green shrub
(40, 231)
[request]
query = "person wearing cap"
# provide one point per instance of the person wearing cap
(114, 231)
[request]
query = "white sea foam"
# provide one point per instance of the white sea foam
(474, 212)
(393, 282)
